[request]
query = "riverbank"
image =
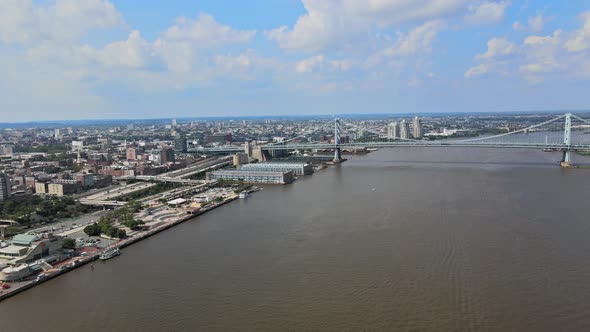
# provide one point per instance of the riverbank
(84, 256)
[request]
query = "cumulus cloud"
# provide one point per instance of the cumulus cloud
(580, 40)
(23, 22)
(498, 47)
(563, 53)
(487, 12)
(206, 31)
(339, 24)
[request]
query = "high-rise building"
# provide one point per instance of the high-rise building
(4, 187)
(404, 130)
(131, 154)
(56, 133)
(392, 130)
(417, 128)
(173, 122)
(167, 156)
(181, 143)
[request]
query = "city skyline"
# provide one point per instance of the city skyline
(118, 59)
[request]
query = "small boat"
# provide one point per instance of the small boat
(108, 254)
(243, 194)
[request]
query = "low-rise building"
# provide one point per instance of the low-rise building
(63, 187)
(296, 168)
(21, 256)
(252, 176)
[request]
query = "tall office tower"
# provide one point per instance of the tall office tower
(392, 130)
(404, 130)
(181, 143)
(167, 156)
(173, 122)
(56, 133)
(417, 127)
(4, 187)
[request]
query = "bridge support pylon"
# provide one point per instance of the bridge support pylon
(566, 161)
(337, 155)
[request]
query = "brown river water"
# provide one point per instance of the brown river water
(398, 240)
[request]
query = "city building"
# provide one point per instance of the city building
(296, 168)
(181, 144)
(167, 156)
(418, 130)
(77, 145)
(252, 176)
(404, 130)
(219, 138)
(63, 187)
(41, 187)
(240, 159)
(25, 254)
(131, 154)
(6, 150)
(4, 187)
(392, 130)
(173, 122)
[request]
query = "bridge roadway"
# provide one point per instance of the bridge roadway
(433, 144)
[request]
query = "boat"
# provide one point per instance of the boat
(108, 254)
(243, 194)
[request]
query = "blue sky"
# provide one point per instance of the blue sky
(85, 59)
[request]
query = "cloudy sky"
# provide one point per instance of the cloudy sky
(79, 59)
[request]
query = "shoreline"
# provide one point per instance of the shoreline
(78, 261)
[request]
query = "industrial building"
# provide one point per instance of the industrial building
(252, 176)
(296, 168)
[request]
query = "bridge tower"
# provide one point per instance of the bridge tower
(567, 139)
(337, 152)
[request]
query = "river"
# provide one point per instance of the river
(401, 239)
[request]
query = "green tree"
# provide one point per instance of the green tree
(69, 243)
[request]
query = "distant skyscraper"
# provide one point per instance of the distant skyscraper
(167, 156)
(173, 122)
(181, 143)
(56, 133)
(4, 187)
(404, 130)
(392, 130)
(417, 128)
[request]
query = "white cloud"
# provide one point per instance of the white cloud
(580, 40)
(535, 24)
(310, 64)
(498, 47)
(340, 24)
(23, 22)
(478, 70)
(206, 32)
(133, 52)
(487, 12)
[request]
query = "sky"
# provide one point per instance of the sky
(110, 59)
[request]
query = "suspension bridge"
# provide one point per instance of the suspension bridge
(566, 133)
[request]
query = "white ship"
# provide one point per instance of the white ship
(108, 254)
